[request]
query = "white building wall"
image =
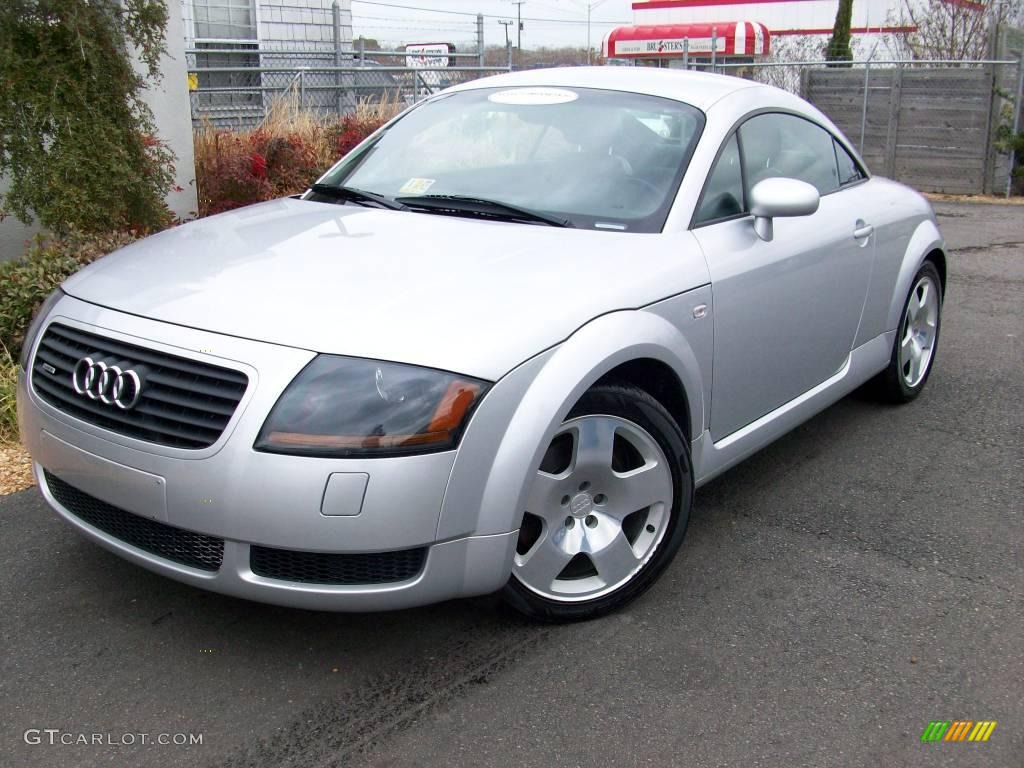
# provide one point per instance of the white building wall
(13, 234)
(289, 24)
(788, 17)
(169, 101)
(290, 34)
(302, 24)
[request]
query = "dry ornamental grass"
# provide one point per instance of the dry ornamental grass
(280, 157)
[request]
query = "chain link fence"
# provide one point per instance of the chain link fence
(935, 125)
(232, 88)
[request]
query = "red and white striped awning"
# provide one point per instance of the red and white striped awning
(661, 41)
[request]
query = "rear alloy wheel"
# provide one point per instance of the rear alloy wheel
(917, 339)
(607, 508)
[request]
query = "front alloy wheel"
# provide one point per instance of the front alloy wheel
(920, 330)
(917, 339)
(607, 508)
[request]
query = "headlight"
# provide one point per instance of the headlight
(35, 325)
(344, 406)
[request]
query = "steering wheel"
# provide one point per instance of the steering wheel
(641, 182)
(626, 166)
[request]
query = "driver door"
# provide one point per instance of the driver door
(786, 310)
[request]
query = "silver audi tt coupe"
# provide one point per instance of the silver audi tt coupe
(496, 347)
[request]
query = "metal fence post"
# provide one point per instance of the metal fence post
(892, 130)
(508, 54)
(336, 19)
(479, 40)
(1017, 105)
(864, 106)
(302, 88)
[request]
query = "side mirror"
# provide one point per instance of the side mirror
(780, 197)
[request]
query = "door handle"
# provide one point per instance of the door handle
(862, 231)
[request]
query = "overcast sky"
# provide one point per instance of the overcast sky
(545, 22)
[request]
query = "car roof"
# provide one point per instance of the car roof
(700, 89)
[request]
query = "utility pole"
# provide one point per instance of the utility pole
(506, 23)
(590, 6)
(346, 96)
(519, 23)
(479, 40)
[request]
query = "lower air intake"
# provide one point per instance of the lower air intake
(180, 546)
(327, 568)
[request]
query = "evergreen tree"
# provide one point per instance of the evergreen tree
(838, 49)
(77, 143)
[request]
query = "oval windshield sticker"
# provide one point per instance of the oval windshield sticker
(533, 96)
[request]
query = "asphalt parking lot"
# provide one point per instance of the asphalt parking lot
(856, 580)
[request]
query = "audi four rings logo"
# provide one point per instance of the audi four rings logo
(110, 384)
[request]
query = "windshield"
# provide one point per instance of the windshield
(598, 159)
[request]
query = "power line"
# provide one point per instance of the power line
(432, 30)
(485, 15)
(595, 23)
(414, 8)
(446, 22)
(547, 7)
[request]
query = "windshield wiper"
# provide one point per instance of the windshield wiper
(482, 206)
(357, 196)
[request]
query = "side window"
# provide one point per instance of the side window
(777, 145)
(849, 171)
(723, 193)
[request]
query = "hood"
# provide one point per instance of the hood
(471, 296)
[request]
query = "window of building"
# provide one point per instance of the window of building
(225, 19)
(226, 36)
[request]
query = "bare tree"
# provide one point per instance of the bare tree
(1012, 13)
(949, 29)
(798, 48)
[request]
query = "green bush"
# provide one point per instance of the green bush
(25, 283)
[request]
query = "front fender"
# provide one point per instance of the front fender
(507, 438)
(926, 238)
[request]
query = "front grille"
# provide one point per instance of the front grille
(193, 549)
(324, 568)
(184, 403)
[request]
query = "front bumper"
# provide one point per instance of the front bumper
(251, 499)
(459, 568)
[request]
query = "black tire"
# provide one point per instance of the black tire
(632, 404)
(890, 385)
